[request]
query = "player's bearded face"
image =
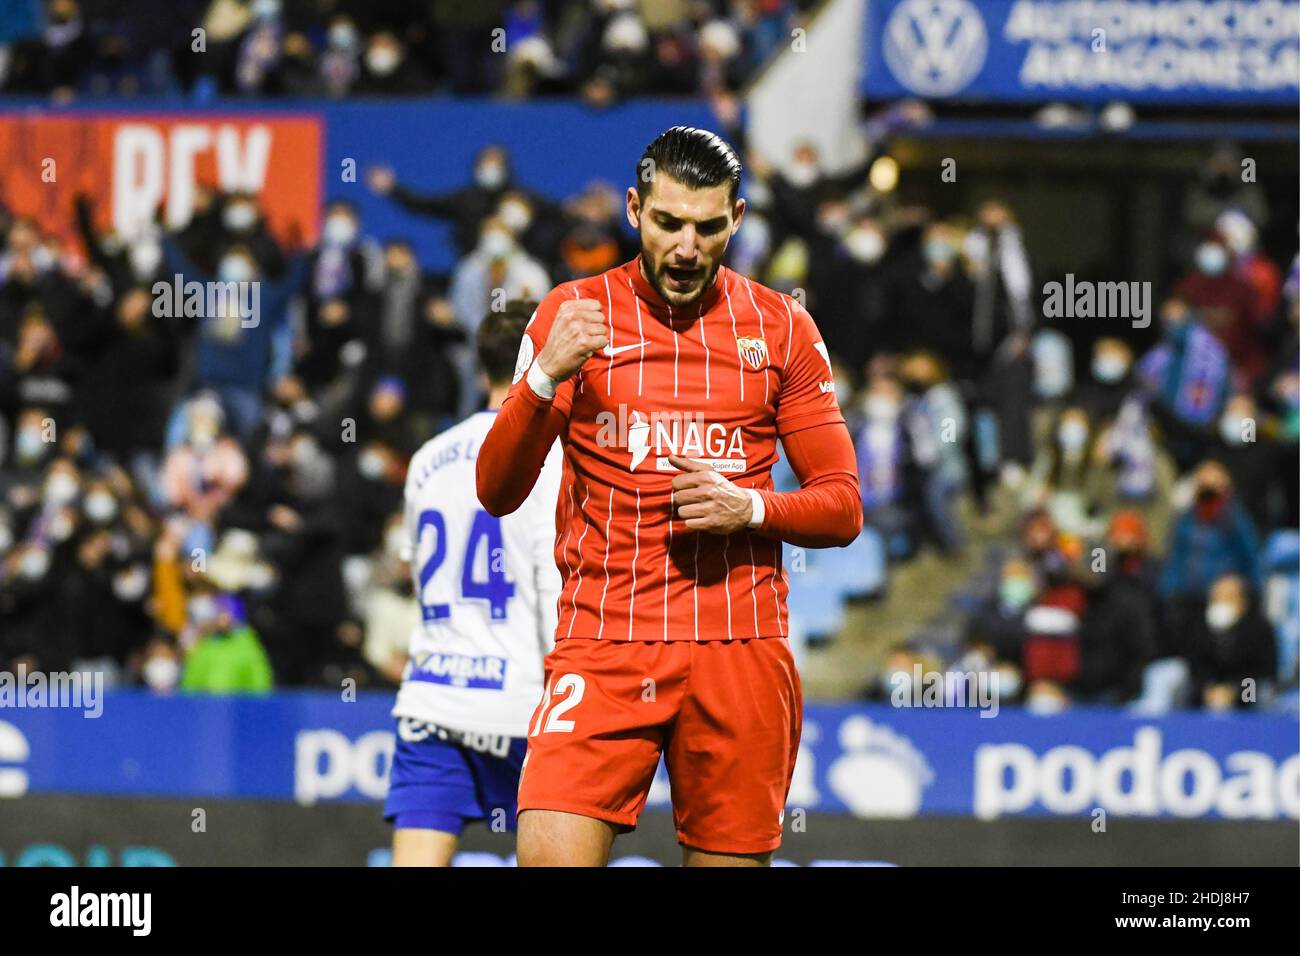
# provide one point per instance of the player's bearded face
(684, 234)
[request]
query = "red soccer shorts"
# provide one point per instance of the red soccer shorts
(726, 715)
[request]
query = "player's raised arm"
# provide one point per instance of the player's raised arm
(567, 331)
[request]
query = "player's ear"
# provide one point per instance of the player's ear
(737, 213)
(633, 208)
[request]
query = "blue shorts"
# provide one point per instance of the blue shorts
(442, 779)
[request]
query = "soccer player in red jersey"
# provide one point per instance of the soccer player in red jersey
(668, 380)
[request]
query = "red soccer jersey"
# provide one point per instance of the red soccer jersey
(720, 382)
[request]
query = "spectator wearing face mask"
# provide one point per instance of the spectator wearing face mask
(339, 62)
(1125, 443)
(1232, 645)
(42, 369)
(34, 445)
(935, 420)
(159, 665)
(372, 475)
(106, 619)
(293, 506)
(498, 268)
(532, 69)
(882, 458)
(1118, 633)
(1001, 323)
(30, 626)
(855, 292)
(931, 307)
(539, 225)
(1052, 653)
(722, 67)
(386, 70)
(241, 354)
(225, 654)
(259, 47)
(30, 273)
(999, 621)
(1213, 537)
(242, 224)
(615, 58)
(402, 287)
(465, 208)
(1052, 355)
(388, 604)
(342, 293)
(804, 185)
(39, 565)
(1228, 306)
(1249, 263)
(126, 261)
(1109, 380)
(1247, 449)
(202, 474)
(1067, 479)
(1185, 379)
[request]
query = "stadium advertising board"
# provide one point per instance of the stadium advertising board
(1144, 51)
(867, 761)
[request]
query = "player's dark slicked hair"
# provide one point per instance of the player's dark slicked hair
(499, 337)
(694, 157)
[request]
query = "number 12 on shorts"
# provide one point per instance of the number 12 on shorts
(575, 686)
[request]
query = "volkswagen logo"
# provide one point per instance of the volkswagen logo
(935, 47)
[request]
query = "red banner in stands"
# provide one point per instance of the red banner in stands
(129, 165)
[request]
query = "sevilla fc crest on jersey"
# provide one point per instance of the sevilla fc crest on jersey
(753, 351)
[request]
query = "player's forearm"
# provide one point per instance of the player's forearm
(515, 449)
(826, 514)
(826, 511)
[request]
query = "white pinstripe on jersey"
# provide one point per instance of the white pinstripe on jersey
(585, 528)
(704, 339)
(736, 335)
(636, 554)
(605, 590)
(762, 332)
(753, 580)
(609, 305)
(726, 579)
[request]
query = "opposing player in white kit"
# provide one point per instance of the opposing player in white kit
(487, 589)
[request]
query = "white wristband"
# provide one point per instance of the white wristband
(543, 385)
(760, 512)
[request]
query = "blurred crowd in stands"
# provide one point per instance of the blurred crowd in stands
(1152, 493)
(601, 50)
(191, 500)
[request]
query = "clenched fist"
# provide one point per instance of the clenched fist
(578, 330)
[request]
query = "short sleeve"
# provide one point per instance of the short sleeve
(807, 396)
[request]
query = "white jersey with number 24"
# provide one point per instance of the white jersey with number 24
(487, 589)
